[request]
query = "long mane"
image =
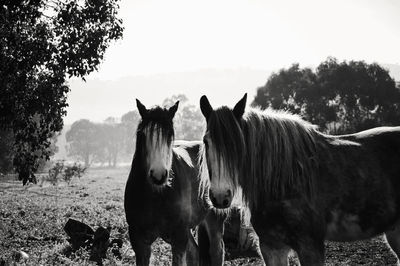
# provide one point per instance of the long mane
(274, 152)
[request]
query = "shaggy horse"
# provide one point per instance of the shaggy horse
(161, 195)
(303, 186)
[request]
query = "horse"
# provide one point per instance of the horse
(161, 195)
(303, 186)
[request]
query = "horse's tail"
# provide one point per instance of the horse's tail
(204, 245)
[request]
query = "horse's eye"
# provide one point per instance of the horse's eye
(140, 134)
(205, 142)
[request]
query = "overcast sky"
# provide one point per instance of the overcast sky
(184, 35)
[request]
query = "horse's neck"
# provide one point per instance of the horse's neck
(175, 168)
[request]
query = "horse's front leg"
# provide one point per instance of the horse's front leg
(393, 240)
(311, 252)
(141, 245)
(214, 225)
(192, 251)
(179, 245)
(274, 256)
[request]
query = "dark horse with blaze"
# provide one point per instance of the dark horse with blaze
(303, 186)
(162, 195)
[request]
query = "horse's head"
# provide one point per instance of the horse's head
(155, 135)
(224, 150)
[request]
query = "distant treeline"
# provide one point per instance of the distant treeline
(113, 140)
(339, 97)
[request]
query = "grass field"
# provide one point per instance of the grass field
(32, 220)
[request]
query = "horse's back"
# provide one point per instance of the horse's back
(376, 134)
(186, 153)
(362, 170)
(186, 143)
(383, 144)
(186, 172)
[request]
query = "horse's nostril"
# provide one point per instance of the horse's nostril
(213, 199)
(225, 203)
(151, 172)
(165, 173)
(229, 193)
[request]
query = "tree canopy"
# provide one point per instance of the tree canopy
(99, 142)
(188, 121)
(42, 44)
(340, 97)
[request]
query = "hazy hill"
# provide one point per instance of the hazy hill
(98, 99)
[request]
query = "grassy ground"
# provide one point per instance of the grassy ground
(32, 220)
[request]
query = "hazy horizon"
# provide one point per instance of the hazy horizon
(98, 99)
(228, 48)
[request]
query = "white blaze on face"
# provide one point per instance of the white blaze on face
(159, 154)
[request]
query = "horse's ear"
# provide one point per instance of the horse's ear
(205, 107)
(142, 109)
(172, 110)
(238, 110)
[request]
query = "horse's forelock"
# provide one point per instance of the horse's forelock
(228, 141)
(157, 126)
(156, 123)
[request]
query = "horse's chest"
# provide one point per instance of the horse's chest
(346, 227)
(162, 215)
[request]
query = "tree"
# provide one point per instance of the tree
(6, 140)
(105, 142)
(129, 122)
(192, 125)
(365, 95)
(92, 142)
(111, 140)
(188, 121)
(83, 141)
(339, 97)
(42, 43)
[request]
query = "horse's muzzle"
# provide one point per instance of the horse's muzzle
(221, 200)
(159, 180)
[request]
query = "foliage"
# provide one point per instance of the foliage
(66, 172)
(52, 149)
(6, 140)
(83, 140)
(101, 142)
(42, 43)
(75, 170)
(111, 141)
(188, 122)
(340, 97)
(129, 123)
(55, 172)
